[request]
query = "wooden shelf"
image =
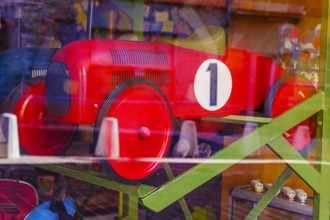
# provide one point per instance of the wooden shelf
(267, 14)
(207, 3)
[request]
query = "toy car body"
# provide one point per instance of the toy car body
(144, 85)
(90, 69)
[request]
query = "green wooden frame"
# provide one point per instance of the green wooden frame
(157, 199)
(135, 12)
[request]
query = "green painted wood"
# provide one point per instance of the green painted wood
(321, 198)
(182, 202)
(125, 6)
(270, 194)
(201, 173)
(89, 177)
(144, 190)
(138, 19)
(239, 119)
(135, 11)
(131, 208)
(297, 162)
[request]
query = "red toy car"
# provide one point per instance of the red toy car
(145, 85)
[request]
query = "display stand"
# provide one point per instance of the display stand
(268, 133)
(244, 194)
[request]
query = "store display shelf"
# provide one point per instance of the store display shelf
(245, 194)
(267, 14)
(25, 159)
(240, 119)
(205, 3)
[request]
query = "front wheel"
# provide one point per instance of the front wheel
(145, 128)
(287, 92)
(37, 135)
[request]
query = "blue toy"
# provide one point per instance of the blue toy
(53, 210)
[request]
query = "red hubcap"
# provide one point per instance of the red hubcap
(292, 92)
(145, 125)
(37, 136)
(144, 132)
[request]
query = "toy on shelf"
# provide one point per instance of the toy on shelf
(288, 193)
(242, 198)
(301, 195)
(144, 85)
(257, 185)
(298, 194)
(300, 51)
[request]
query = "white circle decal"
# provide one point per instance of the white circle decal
(213, 84)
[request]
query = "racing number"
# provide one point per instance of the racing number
(213, 69)
(213, 84)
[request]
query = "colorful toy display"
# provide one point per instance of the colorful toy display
(300, 50)
(298, 195)
(145, 85)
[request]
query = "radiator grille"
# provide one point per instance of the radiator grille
(138, 57)
(159, 77)
(36, 73)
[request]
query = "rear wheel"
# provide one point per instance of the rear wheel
(287, 92)
(37, 135)
(145, 128)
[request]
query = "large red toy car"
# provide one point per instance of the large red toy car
(145, 85)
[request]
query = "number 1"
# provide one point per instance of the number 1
(213, 69)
